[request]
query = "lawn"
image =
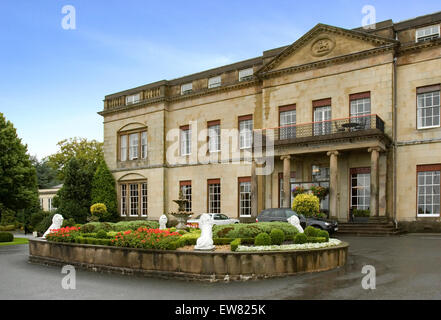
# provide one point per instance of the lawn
(16, 241)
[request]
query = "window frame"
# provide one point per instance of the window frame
(241, 120)
(184, 186)
(134, 100)
(423, 91)
(249, 72)
(127, 134)
(357, 171)
(210, 126)
(287, 131)
(185, 131)
(428, 37)
(214, 182)
(142, 199)
(423, 169)
(186, 88)
(240, 181)
(214, 84)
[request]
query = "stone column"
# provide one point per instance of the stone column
(268, 191)
(333, 184)
(375, 155)
(286, 201)
(254, 196)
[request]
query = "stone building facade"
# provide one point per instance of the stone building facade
(357, 111)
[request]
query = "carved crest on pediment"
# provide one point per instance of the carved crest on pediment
(322, 46)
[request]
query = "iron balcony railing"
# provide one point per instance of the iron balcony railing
(321, 129)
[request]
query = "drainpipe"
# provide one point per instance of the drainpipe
(394, 143)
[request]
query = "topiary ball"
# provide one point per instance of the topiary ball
(312, 232)
(323, 234)
(262, 239)
(300, 238)
(101, 234)
(277, 237)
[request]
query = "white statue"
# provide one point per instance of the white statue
(163, 222)
(294, 220)
(205, 241)
(57, 222)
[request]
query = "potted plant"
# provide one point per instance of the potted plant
(320, 192)
(298, 191)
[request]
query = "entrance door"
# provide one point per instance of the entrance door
(322, 114)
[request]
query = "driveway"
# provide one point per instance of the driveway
(407, 267)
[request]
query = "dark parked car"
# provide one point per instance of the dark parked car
(282, 215)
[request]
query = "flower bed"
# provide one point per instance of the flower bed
(290, 247)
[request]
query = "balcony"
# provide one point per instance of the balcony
(337, 129)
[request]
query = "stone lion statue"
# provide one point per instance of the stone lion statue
(57, 222)
(205, 241)
(163, 222)
(294, 220)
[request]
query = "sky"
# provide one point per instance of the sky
(53, 81)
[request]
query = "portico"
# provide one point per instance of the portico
(353, 165)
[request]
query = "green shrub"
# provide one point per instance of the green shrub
(133, 225)
(262, 239)
(99, 210)
(36, 218)
(68, 222)
(45, 223)
(306, 204)
(277, 237)
(101, 234)
(8, 216)
(316, 240)
(103, 191)
(6, 237)
(173, 229)
(323, 234)
(252, 230)
(182, 232)
(235, 244)
(312, 232)
(300, 238)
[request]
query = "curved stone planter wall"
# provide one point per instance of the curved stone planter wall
(188, 265)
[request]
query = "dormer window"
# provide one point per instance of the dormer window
(427, 33)
(187, 88)
(214, 82)
(132, 99)
(245, 74)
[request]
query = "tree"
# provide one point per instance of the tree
(80, 148)
(46, 175)
(18, 179)
(103, 190)
(75, 195)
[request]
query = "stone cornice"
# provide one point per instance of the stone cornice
(196, 94)
(314, 32)
(331, 61)
(205, 91)
(415, 46)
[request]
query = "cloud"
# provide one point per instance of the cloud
(166, 59)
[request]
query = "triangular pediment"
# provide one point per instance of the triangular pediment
(325, 42)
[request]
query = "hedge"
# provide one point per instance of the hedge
(252, 230)
(6, 237)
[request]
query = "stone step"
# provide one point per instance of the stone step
(340, 226)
